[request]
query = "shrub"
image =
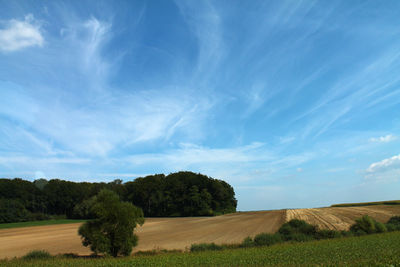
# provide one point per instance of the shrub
(204, 247)
(247, 242)
(293, 227)
(37, 254)
(346, 233)
(393, 224)
(395, 220)
(38, 216)
(380, 227)
(326, 234)
(300, 237)
(391, 227)
(157, 252)
(265, 239)
(364, 225)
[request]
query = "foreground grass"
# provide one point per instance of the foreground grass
(389, 202)
(371, 250)
(38, 223)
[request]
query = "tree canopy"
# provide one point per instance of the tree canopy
(111, 230)
(176, 194)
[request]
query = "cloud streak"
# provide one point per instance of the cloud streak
(265, 94)
(383, 139)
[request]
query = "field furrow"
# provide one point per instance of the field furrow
(341, 218)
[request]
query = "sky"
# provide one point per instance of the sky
(296, 104)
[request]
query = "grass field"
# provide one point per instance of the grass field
(37, 223)
(372, 250)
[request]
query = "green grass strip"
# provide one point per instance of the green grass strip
(38, 223)
(371, 250)
(389, 202)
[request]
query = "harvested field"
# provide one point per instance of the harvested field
(341, 218)
(180, 233)
(156, 233)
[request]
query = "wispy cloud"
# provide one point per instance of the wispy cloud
(204, 22)
(383, 139)
(20, 34)
(285, 95)
(98, 118)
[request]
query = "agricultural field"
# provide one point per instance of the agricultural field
(387, 202)
(38, 223)
(163, 233)
(371, 250)
(180, 233)
(341, 218)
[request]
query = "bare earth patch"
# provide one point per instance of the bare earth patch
(156, 233)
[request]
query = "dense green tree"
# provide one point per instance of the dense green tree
(111, 232)
(40, 183)
(83, 210)
(12, 211)
(177, 194)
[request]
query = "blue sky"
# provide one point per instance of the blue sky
(294, 103)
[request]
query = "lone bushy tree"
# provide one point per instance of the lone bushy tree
(111, 232)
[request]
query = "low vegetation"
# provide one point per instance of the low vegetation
(300, 231)
(38, 223)
(37, 254)
(368, 250)
(389, 202)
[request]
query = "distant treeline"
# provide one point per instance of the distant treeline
(388, 202)
(176, 194)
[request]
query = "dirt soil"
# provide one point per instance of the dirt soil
(341, 218)
(156, 233)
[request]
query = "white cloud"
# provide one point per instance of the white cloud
(385, 165)
(204, 22)
(190, 155)
(19, 34)
(31, 161)
(118, 121)
(237, 165)
(383, 139)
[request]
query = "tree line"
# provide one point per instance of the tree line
(176, 194)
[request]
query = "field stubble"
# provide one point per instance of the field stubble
(341, 218)
(156, 233)
(180, 233)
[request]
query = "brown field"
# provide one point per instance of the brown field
(180, 233)
(156, 233)
(341, 218)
